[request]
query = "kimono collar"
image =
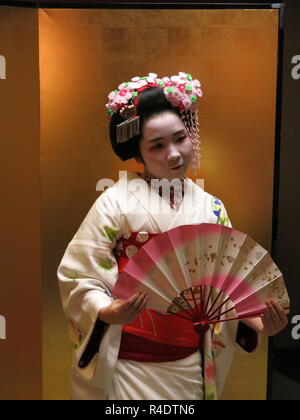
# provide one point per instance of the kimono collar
(166, 218)
(173, 202)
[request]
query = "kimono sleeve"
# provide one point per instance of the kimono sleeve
(220, 212)
(89, 270)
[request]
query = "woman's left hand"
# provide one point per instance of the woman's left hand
(273, 319)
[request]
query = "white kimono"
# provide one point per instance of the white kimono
(87, 274)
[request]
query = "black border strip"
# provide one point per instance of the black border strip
(33, 5)
(139, 5)
(276, 179)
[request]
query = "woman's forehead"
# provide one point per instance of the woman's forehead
(162, 125)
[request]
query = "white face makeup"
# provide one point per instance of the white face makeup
(165, 147)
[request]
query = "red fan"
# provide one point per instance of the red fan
(206, 273)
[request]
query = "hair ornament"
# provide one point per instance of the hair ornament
(181, 91)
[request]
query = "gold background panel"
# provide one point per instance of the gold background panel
(20, 285)
(84, 54)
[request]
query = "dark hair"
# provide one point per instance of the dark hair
(151, 101)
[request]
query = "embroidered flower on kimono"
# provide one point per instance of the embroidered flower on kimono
(220, 212)
(217, 347)
(106, 263)
(76, 333)
(130, 250)
(217, 327)
(216, 206)
(142, 237)
(110, 232)
(223, 221)
(210, 396)
(210, 373)
(73, 276)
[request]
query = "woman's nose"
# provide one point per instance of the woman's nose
(173, 154)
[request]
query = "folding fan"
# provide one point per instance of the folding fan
(207, 273)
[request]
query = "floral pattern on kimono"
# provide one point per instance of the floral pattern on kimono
(76, 334)
(220, 212)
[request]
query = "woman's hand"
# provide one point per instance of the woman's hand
(271, 322)
(124, 311)
(273, 319)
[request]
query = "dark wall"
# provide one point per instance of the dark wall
(284, 372)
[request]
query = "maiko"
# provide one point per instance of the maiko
(2, 328)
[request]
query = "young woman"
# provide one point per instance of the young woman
(122, 349)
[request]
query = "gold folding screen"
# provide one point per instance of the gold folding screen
(20, 261)
(87, 53)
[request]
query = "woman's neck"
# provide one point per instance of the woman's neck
(173, 199)
(148, 176)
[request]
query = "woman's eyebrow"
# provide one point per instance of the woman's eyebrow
(179, 132)
(161, 138)
(158, 138)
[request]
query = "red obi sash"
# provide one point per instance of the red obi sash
(152, 337)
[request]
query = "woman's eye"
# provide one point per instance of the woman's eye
(156, 147)
(181, 138)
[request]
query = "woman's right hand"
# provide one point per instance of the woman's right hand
(124, 311)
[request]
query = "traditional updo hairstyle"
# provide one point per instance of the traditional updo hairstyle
(151, 102)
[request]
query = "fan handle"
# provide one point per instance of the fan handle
(201, 327)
